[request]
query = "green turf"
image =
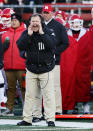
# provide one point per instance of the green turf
(18, 116)
(35, 128)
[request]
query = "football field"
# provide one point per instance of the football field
(65, 125)
(10, 123)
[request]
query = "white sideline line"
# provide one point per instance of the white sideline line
(49, 129)
(65, 125)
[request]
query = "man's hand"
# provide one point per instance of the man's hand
(30, 31)
(40, 29)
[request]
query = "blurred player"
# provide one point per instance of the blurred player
(83, 65)
(63, 16)
(5, 24)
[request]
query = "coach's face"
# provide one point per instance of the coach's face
(35, 23)
(47, 16)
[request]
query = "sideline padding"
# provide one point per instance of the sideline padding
(79, 116)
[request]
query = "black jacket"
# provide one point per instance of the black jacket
(61, 36)
(39, 49)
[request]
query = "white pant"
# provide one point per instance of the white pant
(1, 78)
(86, 107)
(2, 98)
(47, 89)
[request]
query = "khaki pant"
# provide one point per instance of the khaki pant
(37, 108)
(47, 91)
(12, 77)
(58, 95)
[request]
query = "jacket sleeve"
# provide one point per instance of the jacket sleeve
(22, 42)
(49, 39)
(5, 41)
(5, 45)
(64, 42)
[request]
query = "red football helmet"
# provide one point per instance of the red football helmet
(6, 17)
(75, 22)
(62, 15)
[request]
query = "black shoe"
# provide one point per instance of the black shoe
(51, 123)
(65, 112)
(75, 111)
(36, 119)
(58, 113)
(24, 123)
(42, 118)
(87, 113)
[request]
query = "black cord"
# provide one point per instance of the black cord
(45, 83)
